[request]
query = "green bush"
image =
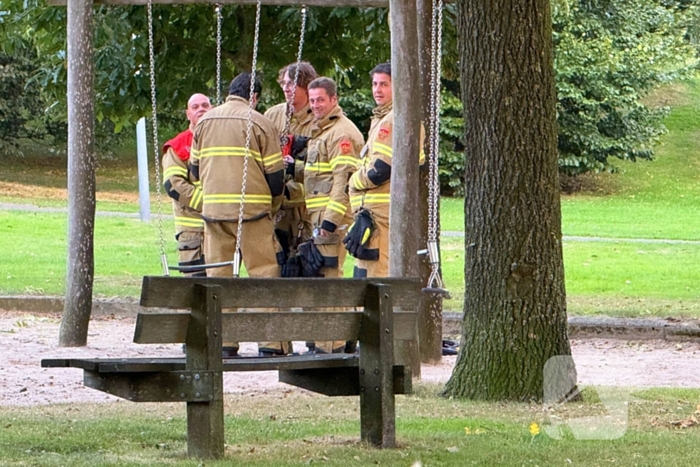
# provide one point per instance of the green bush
(20, 103)
(608, 55)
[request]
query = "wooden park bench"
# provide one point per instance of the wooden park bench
(197, 377)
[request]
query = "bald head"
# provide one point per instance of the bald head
(196, 107)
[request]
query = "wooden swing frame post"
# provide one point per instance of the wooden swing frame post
(404, 50)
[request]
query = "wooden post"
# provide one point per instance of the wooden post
(81, 175)
(430, 309)
(377, 410)
(205, 420)
(404, 233)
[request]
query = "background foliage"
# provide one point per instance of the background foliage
(609, 55)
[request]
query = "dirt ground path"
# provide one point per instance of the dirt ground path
(26, 338)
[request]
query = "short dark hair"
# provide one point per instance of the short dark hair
(307, 73)
(324, 83)
(240, 86)
(384, 68)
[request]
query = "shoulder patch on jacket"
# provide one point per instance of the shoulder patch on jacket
(384, 133)
(345, 146)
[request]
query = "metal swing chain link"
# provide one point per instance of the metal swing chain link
(290, 108)
(156, 148)
(433, 182)
(248, 135)
(219, 20)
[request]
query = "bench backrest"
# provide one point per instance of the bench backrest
(251, 294)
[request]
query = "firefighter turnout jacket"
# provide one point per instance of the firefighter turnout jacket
(300, 124)
(331, 159)
(218, 158)
(293, 213)
(176, 154)
(370, 188)
(189, 225)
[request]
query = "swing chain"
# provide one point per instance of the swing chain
(246, 156)
(218, 53)
(156, 148)
(290, 106)
(434, 281)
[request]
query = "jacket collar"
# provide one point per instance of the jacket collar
(332, 117)
(237, 99)
(381, 111)
(304, 115)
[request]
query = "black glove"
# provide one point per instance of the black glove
(358, 236)
(311, 259)
(299, 143)
(292, 268)
(283, 239)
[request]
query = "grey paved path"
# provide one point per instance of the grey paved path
(452, 234)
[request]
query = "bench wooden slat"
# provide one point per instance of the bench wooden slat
(171, 328)
(341, 381)
(177, 292)
(146, 365)
(166, 379)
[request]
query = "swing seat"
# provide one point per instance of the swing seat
(444, 293)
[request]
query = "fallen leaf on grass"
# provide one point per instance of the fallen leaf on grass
(687, 423)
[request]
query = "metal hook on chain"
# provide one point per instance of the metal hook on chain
(435, 284)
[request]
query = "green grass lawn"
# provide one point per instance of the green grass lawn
(126, 249)
(659, 199)
(275, 430)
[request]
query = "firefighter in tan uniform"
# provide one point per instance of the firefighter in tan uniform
(189, 226)
(370, 186)
(291, 222)
(218, 156)
(332, 158)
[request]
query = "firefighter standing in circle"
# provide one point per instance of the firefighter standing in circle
(218, 155)
(331, 159)
(291, 222)
(370, 186)
(189, 226)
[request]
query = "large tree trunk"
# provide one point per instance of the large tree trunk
(81, 176)
(515, 303)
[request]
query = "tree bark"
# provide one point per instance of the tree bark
(515, 302)
(430, 311)
(81, 175)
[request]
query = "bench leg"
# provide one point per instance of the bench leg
(205, 420)
(377, 411)
(205, 429)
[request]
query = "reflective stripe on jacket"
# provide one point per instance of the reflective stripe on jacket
(370, 186)
(332, 158)
(178, 186)
(218, 159)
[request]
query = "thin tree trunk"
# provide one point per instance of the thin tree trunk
(515, 302)
(81, 176)
(405, 229)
